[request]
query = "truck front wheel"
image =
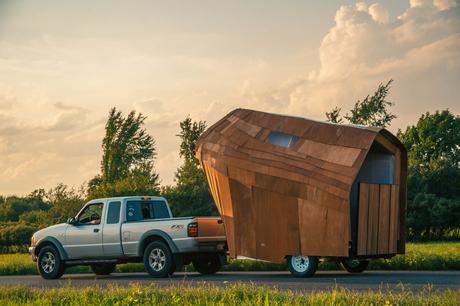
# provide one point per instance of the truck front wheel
(158, 259)
(207, 265)
(49, 263)
(302, 266)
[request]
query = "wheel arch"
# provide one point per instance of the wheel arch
(156, 235)
(51, 241)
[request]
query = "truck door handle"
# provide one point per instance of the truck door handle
(96, 230)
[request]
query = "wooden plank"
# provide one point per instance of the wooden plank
(363, 218)
(245, 218)
(373, 219)
(394, 220)
(277, 227)
(331, 153)
(384, 219)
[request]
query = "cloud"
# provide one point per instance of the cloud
(366, 47)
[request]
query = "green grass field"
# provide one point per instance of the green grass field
(212, 295)
(419, 256)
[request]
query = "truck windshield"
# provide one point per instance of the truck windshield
(144, 210)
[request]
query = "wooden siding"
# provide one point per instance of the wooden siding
(378, 224)
(278, 201)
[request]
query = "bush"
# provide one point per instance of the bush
(16, 233)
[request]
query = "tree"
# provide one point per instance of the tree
(371, 111)
(191, 194)
(128, 158)
(433, 146)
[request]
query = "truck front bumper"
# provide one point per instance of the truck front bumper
(32, 253)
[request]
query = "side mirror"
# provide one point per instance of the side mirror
(72, 221)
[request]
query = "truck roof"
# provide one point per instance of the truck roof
(130, 197)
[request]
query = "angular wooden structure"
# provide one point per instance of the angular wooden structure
(292, 186)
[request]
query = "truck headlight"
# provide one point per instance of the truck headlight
(33, 240)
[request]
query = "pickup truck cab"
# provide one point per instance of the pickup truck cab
(111, 231)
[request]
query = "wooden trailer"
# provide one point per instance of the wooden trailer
(290, 187)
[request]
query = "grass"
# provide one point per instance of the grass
(205, 294)
(419, 256)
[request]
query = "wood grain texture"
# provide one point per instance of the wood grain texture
(278, 201)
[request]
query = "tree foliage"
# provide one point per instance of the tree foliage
(191, 194)
(128, 157)
(371, 111)
(433, 146)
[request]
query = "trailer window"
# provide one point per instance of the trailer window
(282, 140)
(145, 210)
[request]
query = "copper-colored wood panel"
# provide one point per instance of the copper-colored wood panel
(373, 219)
(394, 220)
(245, 217)
(384, 219)
(330, 153)
(363, 218)
(281, 237)
(309, 183)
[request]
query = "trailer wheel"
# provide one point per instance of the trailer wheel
(158, 259)
(354, 265)
(302, 266)
(207, 265)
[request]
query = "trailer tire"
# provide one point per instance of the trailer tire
(302, 266)
(354, 265)
(207, 265)
(158, 259)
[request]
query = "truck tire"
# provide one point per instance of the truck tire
(302, 266)
(49, 263)
(158, 259)
(103, 269)
(354, 265)
(207, 265)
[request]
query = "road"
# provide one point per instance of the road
(323, 280)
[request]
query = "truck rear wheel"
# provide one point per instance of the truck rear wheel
(302, 266)
(49, 263)
(103, 269)
(207, 265)
(158, 259)
(354, 265)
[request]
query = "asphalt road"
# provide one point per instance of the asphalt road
(323, 280)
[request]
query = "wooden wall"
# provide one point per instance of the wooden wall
(378, 219)
(279, 201)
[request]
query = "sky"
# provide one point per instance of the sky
(64, 64)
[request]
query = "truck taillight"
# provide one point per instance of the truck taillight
(192, 229)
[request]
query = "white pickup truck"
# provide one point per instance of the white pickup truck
(110, 231)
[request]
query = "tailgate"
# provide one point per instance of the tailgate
(210, 229)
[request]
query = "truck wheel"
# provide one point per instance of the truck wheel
(354, 265)
(207, 265)
(302, 266)
(103, 269)
(158, 259)
(49, 263)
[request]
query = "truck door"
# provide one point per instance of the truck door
(111, 240)
(84, 239)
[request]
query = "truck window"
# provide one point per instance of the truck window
(113, 214)
(145, 210)
(91, 214)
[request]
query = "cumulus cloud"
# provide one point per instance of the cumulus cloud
(366, 47)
